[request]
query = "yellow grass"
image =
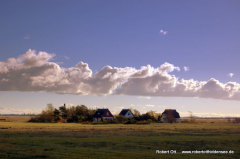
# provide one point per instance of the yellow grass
(15, 118)
(21, 139)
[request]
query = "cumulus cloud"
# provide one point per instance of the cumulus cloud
(162, 32)
(186, 68)
(34, 72)
(230, 74)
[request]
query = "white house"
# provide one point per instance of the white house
(126, 113)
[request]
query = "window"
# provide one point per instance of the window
(107, 114)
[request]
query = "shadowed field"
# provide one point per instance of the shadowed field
(72, 140)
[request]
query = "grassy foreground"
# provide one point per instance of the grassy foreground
(72, 140)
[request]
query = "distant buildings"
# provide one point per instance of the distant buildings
(169, 115)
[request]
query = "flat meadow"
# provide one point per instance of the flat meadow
(21, 139)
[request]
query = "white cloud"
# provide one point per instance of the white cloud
(162, 32)
(34, 72)
(145, 97)
(186, 68)
(120, 107)
(5, 80)
(66, 57)
(230, 74)
(149, 105)
(26, 37)
(69, 105)
(142, 111)
(161, 106)
(95, 107)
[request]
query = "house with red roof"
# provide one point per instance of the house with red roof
(102, 114)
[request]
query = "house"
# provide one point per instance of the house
(126, 113)
(102, 114)
(171, 113)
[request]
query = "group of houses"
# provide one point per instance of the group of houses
(103, 114)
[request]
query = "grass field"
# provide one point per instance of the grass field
(20, 139)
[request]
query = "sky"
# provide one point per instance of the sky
(145, 55)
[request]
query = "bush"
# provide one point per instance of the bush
(33, 119)
(108, 121)
(120, 119)
(130, 121)
(149, 121)
(142, 122)
(237, 120)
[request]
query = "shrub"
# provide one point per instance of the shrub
(120, 119)
(237, 120)
(130, 121)
(149, 121)
(142, 122)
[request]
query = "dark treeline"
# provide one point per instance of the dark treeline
(63, 114)
(83, 114)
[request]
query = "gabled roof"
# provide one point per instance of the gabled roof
(124, 111)
(172, 112)
(100, 112)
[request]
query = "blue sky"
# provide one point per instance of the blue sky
(201, 35)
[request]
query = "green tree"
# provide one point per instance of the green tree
(120, 118)
(63, 111)
(56, 115)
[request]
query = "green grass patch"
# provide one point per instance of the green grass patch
(72, 140)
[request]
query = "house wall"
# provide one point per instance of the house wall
(96, 119)
(165, 120)
(107, 118)
(129, 115)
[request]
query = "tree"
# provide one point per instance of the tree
(63, 111)
(46, 115)
(136, 113)
(170, 118)
(50, 107)
(191, 116)
(56, 115)
(159, 118)
(71, 114)
(120, 118)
